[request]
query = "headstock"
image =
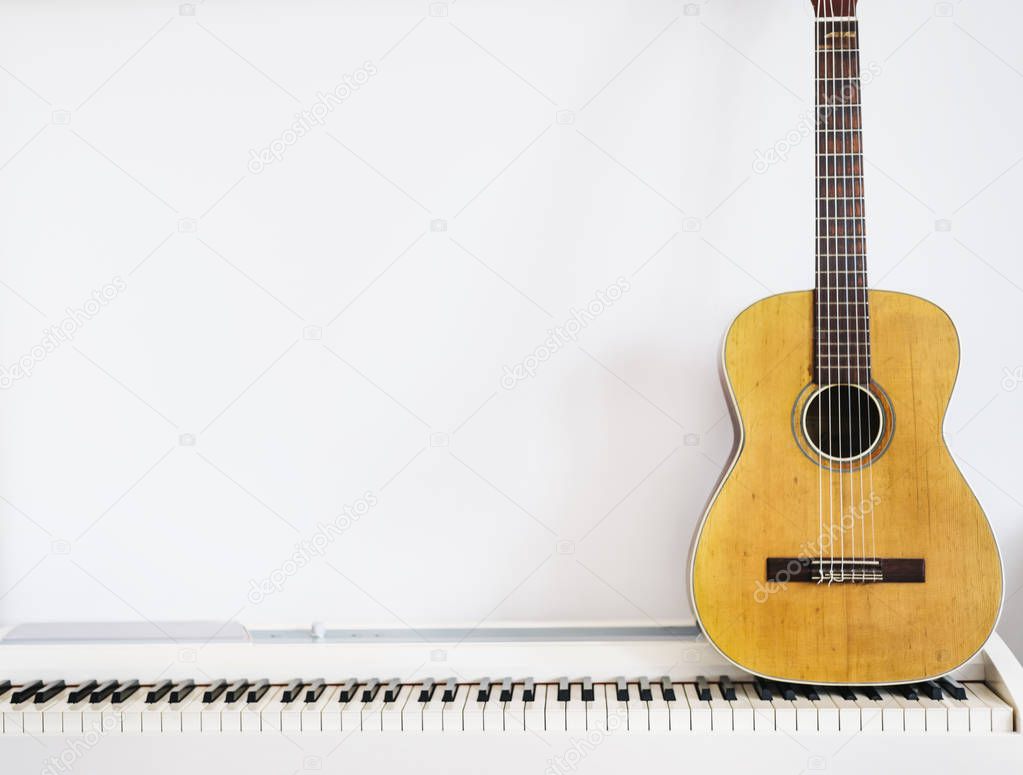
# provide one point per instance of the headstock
(827, 9)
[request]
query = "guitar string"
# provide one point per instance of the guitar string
(846, 78)
(820, 368)
(866, 323)
(833, 244)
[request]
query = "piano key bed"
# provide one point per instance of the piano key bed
(502, 706)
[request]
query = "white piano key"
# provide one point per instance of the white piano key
(575, 709)
(617, 711)
(870, 713)
(433, 711)
(515, 710)
(899, 714)
(351, 713)
(372, 713)
(191, 713)
(453, 710)
(493, 711)
(914, 713)
(1001, 713)
(848, 713)
(679, 714)
(152, 715)
(936, 714)
(211, 716)
(806, 714)
(291, 713)
(742, 712)
(252, 712)
(700, 712)
(72, 718)
(958, 714)
(763, 710)
(311, 715)
(270, 711)
(660, 714)
(639, 716)
(93, 714)
(534, 714)
(11, 714)
(596, 709)
(827, 714)
(231, 715)
(391, 714)
(784, 714)
(53, 713)
(720, 710)
(980, 711)
(131, 714)
(412, 712)
(472, 714)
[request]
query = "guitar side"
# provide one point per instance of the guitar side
(775, 500)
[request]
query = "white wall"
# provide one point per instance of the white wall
(318, 341)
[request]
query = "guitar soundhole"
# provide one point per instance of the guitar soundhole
(843, 422)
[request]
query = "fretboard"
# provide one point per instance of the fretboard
(841, 310)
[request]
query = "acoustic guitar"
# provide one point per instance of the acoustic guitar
(843, 545)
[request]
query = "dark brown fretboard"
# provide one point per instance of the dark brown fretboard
(841, 311)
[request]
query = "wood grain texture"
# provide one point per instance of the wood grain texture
(768, 506)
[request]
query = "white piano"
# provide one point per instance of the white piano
(108, 698)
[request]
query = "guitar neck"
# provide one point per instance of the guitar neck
(841, 311)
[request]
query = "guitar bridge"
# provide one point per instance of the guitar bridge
(850, 570)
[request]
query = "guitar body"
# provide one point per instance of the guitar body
(911, 501)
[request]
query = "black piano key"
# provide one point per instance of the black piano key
(621, 689)
(787, 691)
(392, 690)
(5, 686)
(237, 690)
(930, 689)
(125, 690)
(529, 690)
(258, 690)
(506, 690)
(293, 690)
(810, 692)
(483, 693)
(846, 693)
(727, 687)
(370, 689)
(427, 689)
(564, 692)
(702, 688)
(348, 689)
(762, 689)
(667, 690)
(905, 690)
(644, 689)
(102, 691)
(51, 690)
(158, 692)
(214, 690)
(871, 693)
(26, 692)
(315, 689)
(955, 689)
(588, 695)
(82, 691)
(450, 690)
(181, 690)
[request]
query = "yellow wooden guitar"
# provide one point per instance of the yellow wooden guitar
(843, 545)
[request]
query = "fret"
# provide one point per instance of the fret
(839, 155)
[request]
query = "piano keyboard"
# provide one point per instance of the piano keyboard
(638, 705)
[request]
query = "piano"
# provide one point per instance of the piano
(164, 697)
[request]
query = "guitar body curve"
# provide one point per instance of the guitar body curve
(776, 500)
